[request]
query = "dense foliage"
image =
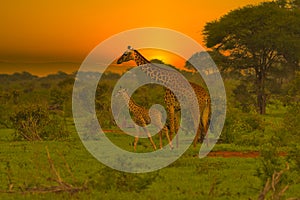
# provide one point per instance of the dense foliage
(258, 41)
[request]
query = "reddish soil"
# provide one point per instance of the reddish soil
(113, 131)
(224, 154)
(231, 154)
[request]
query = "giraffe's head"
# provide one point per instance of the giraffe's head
(121, 92)
(127, 55)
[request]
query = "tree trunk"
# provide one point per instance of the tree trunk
(261, 102)
(260, 90)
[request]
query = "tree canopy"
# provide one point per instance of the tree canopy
(259, 38)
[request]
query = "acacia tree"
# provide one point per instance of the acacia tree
(257, 38)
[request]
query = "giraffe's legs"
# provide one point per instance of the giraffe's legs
(157, 122)
(176, 127)
(168, 137)
(197, 126)
(205, 120)
(171, 116)
(202, 131)
(136, 139)
(149, 137)
(160, 140)
(199, 134)
(205, 137)
(164, 129)
(202, 134)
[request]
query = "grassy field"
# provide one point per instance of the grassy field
(27, 172)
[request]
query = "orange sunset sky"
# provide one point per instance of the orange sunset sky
(44, 37)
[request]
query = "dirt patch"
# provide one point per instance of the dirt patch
(231, 154)
(223, 154)
(113, 131)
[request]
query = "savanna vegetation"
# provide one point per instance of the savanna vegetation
(256, 49)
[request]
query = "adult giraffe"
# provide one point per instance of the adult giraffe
(165, 76)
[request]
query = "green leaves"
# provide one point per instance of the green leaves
(255, 30)
(34, 123)
(257, 38)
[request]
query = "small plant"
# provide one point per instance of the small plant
(274, 186)
(109, 179)
(58, 184)
(57, 99)
(275, 177)
(4, 116)
(35, 123)
(293, 158)
(238, 124)
(292, 124)
(269, 159)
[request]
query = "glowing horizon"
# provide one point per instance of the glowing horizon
(34, 34)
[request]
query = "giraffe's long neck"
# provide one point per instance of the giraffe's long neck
(131, 104)
(151, 70)
(139, 59)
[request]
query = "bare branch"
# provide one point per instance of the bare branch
(273, 185)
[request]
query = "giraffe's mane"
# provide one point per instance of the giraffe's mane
(150, 62)
(141, 55)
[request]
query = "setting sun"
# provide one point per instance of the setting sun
(165, 56)
(46, 37)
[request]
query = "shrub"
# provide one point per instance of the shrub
(294, 158)
(4, 116)
(34, 123)
(269, 159)
(275, 178)
(238, 124)
(109, 179)
(254, 138)
(292, 124)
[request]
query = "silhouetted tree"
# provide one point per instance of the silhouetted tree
(257, 37)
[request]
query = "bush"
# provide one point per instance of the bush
(34, 123)
(244, 97)
(4, 116)
(294, 156)
(269, 159)
(238, 124)
(274, 171)
(254, 138)
(110, 179)
(291, 127)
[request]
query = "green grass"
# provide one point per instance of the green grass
(25, 165)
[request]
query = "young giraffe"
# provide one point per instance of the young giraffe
(142, 117)
(162, 75)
